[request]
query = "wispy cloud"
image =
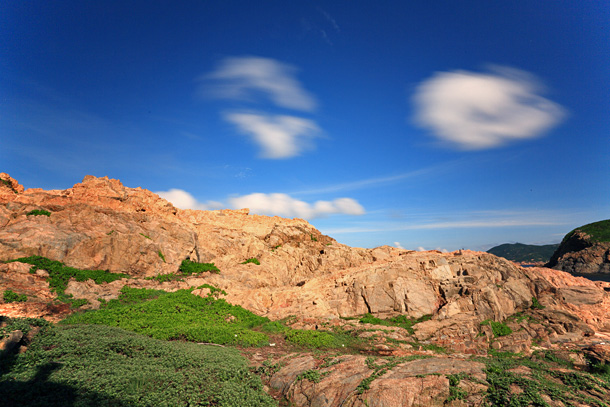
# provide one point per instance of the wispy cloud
(278, 136)
(381, 181)
(470, 220)
(286, 206)
(364, 183)
(184, 200)
(276, 204)
(244, 78)
(476, 111)
(328, 18)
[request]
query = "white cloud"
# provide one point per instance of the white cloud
(484, 110)
(398, 245)
(241, 78)
(268, 204)
(284, 205)
(183, 200)
(278, 136)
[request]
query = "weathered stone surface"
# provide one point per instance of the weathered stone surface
(581, 295)
(421, 382)
(578, 253)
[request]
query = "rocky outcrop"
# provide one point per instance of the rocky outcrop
(583, 253)
(310, 277)
(101, 224)
(419, 382)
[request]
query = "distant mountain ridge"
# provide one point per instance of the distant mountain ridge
(524, 252)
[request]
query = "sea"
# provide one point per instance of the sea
(595, 276)
(592, 276)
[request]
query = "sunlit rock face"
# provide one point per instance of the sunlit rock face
(101, 224)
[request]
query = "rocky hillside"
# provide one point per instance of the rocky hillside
(464, 303)
(524, 253)
(584, 250)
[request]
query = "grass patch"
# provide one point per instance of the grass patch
(60, 274)
(188, 267)
(599, 231)
(312, 375)
(548, 376)
(177, 316)
(161, 256)
(253, 260)
(84, 365)
(22, 324)
(455, 392)
(146, 236)
(498, 328)
(400, 320)
(381, 369)
(38, 212)
(11, 296)
(536, 304)
(319, 339)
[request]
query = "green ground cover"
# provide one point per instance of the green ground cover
(599, 231)
(60, 274)
(178, 315)
(89, 365)
(400, 320)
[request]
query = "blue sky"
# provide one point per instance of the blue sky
(414, 124)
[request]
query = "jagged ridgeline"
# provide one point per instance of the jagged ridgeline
(524, 252)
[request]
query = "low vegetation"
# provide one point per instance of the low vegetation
(498, 328)
(86, 365)
(11, 296)
(598, 231)
(546, 374)
(60, 274)
(400, 320)
(253, 260)
(177, 316)
(187, 268)
(38, 212)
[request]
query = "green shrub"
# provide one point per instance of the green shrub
(400, 320)
(498, 328)
(312, 339)
(11, 296)
(8, 325)
(188, 267)
(312, 375)
(178, 315)
(38, 212)
(162, 256)
(536, 304)
(84, 365)
(252, 260)
(59, 274)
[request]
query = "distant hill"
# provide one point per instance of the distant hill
(584, 250)
(524, 252)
